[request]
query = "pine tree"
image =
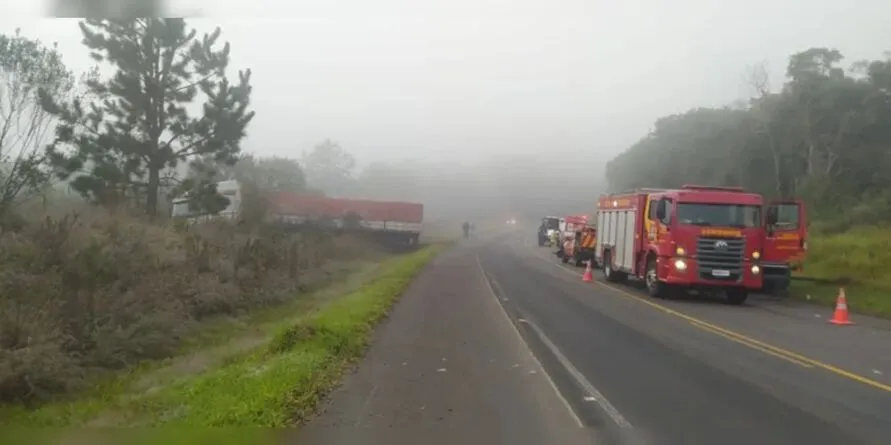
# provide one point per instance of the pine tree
(117, 146)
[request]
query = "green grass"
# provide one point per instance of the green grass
(858, 260)
(276, 384)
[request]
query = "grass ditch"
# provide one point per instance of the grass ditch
(277, 383)
(857, 260)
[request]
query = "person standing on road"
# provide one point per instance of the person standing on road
(466, 228)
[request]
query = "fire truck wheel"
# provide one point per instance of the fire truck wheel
(737, 296)
(655, 288)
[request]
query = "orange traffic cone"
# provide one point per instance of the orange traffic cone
(588, 276)
(841, 310)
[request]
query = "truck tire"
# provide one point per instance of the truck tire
(737, 295)
(776, 286)
(655, 288)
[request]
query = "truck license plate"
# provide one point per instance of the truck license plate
(720, 273)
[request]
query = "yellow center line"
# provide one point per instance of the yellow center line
(740, 338)
(752, 346)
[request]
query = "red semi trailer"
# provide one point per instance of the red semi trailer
(392, 221)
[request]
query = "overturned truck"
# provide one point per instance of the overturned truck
(394, 223)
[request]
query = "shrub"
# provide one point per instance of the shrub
(80, 295)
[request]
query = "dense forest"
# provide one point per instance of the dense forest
(822, 136)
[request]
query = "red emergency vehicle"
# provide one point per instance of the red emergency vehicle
(785, 242)
(695, 237)
(575, 225)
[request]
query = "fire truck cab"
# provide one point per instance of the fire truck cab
(785, 242)
(696, 237)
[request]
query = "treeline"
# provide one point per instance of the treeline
(823, 136)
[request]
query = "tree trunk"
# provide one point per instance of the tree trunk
(154, 184)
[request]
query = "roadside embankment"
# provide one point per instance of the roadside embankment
(268, 370)
(857, 260)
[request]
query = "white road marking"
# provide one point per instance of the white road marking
(523, 341)
(581, 380)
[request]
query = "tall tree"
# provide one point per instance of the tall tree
(330, 168)
(267, 173)
(823, 136)
(116, 148)
(26, 66)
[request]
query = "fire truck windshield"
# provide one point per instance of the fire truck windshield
(726, 215)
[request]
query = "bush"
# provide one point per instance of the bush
(857, 259)
(83, 295)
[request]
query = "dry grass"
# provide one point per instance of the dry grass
(81, 296)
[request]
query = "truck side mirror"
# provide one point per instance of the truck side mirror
(772, 216)
(660, 210)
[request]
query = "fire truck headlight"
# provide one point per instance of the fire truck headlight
(680, 265)
(680, 251)
(756, 254)
(756, 270)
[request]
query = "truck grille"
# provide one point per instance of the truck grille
(720, 258)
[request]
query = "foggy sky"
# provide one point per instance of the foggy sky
(463, 79)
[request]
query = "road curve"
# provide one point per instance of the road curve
(607, 366)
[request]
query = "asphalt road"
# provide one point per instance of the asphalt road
(607, 365)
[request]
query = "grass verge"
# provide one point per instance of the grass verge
(858, 260)
(276, 384)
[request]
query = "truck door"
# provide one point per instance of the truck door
(786, 235)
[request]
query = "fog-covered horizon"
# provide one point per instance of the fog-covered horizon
(531, 98)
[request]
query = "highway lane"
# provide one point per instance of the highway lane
(790, 328)
(448, 367)
(674, 374)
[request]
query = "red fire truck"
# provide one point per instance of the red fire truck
(577, 238)
(573, 224)
(785, 242)
(695, 237)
